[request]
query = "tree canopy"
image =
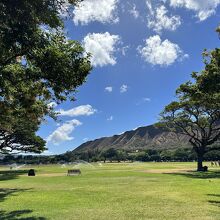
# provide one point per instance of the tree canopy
(196, 113)
(38, 64)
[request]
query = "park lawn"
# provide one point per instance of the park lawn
(111, 191)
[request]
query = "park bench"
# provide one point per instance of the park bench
(73, 172)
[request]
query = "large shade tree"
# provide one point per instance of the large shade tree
(196, 113)
(38, 65)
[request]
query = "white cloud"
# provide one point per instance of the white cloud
(63, 132)
(103, 11)
(102, 47)
(109, 89)
(85, 139)
(64, 8)
(134, 12)
(136, 128)
(52, 105)
(124, 50)
(150, 8)
(121, 133)
(47, 152)
(145, 99)
(159, 20)
(82, 110)
(203, 8)
(110, 118)
(123, 88)
(158, 52)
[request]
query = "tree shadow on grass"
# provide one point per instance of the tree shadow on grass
(4, 193)
(216, 195)
(11, 174)
(17, 215)
(199, 175)
(215, 201)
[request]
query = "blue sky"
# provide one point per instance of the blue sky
(142, 51)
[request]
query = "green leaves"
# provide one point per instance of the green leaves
(38, 64)
(197, 111)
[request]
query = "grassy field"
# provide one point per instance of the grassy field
(111, 191)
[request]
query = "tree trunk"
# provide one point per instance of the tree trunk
(199, 162)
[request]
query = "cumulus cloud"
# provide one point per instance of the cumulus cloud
(134, 12)
(203, 8)
(104, 11)
(64, 8)
(102, 47)
(47, 152)
(52, 105)
(109, 89)
(158, 52)
(159, 20)
(85, 139)
(110, 118)
(124, 50)
(150, 8)
(145, 99)
(83, 110)
(63, 132)
(123, 88)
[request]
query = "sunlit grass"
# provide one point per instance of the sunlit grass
(111, 191)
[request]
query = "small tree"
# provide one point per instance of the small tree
(196, 114)
(110, 154)
(121, 155)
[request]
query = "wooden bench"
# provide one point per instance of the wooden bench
(73, 172)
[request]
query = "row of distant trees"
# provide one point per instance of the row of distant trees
(113, 155)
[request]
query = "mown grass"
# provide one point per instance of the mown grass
(111, 191)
